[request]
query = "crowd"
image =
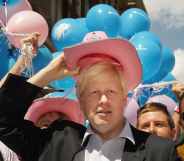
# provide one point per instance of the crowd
(105, 70)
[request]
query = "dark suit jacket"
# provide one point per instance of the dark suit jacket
(62, 140)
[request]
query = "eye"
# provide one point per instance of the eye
(160, 124)
(110, 91)
(93, 93)
(145, 126)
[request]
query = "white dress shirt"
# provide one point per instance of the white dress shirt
(8, 154)
(111, 150)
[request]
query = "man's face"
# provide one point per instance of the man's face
(103, 103)
(156, 123)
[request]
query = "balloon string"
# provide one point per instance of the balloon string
(158, 84)
(2, 25)
(17, 34)
(26, 51)
(29, 66)
(6, 13)
(137, 90)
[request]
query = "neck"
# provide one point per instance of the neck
(112, 133)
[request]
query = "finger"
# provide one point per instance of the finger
(37, 34)
(75, 72)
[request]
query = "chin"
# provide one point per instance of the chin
(101, 124)
(102, 121)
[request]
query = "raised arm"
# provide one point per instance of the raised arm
(16, 95)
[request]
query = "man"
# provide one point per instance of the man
(154, 118)
(180, 146)
(109, 68)
(46, 110)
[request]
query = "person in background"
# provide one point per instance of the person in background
(180, 146)
(44, 111)
(154, 118)
(109, 68)
(178, 89)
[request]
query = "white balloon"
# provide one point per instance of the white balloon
(178, 71)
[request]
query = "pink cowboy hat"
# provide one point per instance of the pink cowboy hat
(165, 100)
(63, 105)
(96, 46)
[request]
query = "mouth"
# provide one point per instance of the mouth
(103, 113)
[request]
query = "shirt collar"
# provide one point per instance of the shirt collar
(125, 133)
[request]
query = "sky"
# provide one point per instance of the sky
(167, 21)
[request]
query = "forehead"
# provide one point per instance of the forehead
(153, 116)
(106, 78)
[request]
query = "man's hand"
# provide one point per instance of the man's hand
(55, 70)
(31, 40)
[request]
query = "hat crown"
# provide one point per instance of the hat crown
(95, 36)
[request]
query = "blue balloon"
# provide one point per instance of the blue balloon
(82, 23)
(56, 54)
(43, 57)
(4, 58)
(4, 43)
(67, 94)
(11, 62)
(4, 64)
(9, 2)
(168, 77)
(103, 17)
(67, 32)
(66, 83)
(146, 35)
(13, 56)
(132, 21)
(167, 64)
(150, 56)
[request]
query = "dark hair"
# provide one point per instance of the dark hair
(1, 157)
(154, 106)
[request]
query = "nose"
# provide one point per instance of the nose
(152, 128)
(103, 99)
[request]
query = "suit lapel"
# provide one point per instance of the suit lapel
(135, 152)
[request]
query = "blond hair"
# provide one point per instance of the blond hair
(95, 71)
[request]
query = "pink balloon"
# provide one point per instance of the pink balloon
(26, 22)
(131, 111)
(12, 9)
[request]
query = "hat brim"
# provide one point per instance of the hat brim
(118, 49)
(131, 111)
(165, 100)
(62, 105)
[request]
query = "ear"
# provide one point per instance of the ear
(175, 133)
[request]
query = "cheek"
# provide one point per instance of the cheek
(120, 107)
(86, 107)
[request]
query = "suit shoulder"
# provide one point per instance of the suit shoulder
(159, 142)
(60, 125)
